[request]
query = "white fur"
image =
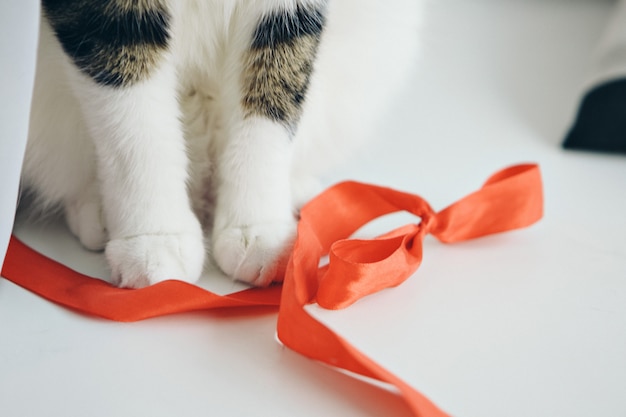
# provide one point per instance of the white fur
(140, 166)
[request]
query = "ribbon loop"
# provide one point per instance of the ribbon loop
(361, 267)
(510, 199)
(346, 207)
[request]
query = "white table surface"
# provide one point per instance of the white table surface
(529, 323)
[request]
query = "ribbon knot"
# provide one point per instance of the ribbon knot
(361, 267)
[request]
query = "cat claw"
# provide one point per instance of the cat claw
(254, 254)
(147, 259)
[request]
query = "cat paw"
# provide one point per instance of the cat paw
(256, 253)
(84, 218)
(144, 260)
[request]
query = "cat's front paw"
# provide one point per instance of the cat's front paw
(143, 260)
(254, 254)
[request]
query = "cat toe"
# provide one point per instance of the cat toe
(254, 254)
(144, 260)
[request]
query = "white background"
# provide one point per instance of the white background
(529, 323)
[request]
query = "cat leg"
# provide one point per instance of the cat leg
(154, 234)
(125, 82)
(255, 224)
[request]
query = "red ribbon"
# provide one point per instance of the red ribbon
(510, 199)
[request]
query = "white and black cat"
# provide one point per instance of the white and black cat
(158, 123)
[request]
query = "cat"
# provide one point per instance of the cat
(170, 129)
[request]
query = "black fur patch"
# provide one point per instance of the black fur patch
(115, 42)
(280, 62)
(284, 27)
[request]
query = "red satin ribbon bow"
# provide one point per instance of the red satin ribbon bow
(510, 199)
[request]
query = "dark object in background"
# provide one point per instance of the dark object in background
(601, 121)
